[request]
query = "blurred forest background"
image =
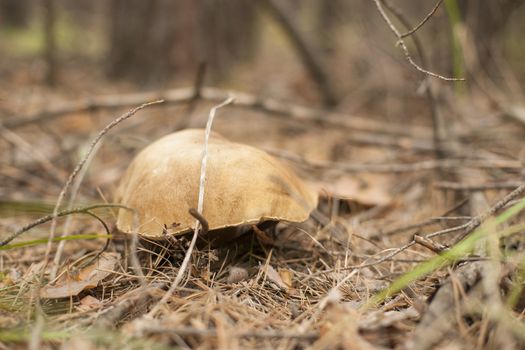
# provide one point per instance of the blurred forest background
(328, 55)
(330, 90)
(331, 53)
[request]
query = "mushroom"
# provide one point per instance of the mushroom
(244, 185)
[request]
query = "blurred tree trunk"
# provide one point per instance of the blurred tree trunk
(228, 33)
(82, 12)
(328, 19)
(14, 13)
(50, 41)
(151, 40)
(140, 38)
(284, 17)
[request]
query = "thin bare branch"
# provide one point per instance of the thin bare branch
(79, 167)
(404, 47)
(422, 23)
(454, 186)
(47, 218)
(438, 131)
(423, 165)
(430, 244)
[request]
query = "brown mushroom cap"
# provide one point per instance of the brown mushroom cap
(244, 185)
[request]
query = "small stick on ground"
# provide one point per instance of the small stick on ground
(430, 244)
(419, 225)
(259, 334)
(454, 186)
(423, 165)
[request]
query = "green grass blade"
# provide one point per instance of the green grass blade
(455, 253)
(454, 16)
(56, 239)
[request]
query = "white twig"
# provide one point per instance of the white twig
(200, 204)
(79, 167)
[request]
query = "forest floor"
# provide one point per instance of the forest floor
(394, 211)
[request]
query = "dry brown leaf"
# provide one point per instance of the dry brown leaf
(286, 277)
(275, 277)
(372, 192)
(87, 278)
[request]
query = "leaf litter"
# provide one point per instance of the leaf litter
(89, 277)
(282, 291)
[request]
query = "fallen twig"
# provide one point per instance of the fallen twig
(258, 334)
(399, 167)
(430, 244)
(454, 186)
(244, 100)
(419, 225)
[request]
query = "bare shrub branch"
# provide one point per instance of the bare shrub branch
(404, 47)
